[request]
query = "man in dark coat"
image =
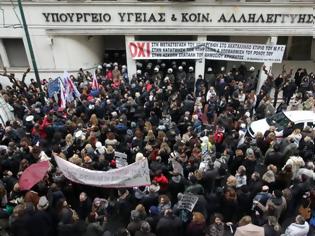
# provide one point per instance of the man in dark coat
(169, 225)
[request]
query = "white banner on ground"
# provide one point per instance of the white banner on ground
(133, 175)
(226, 51)
(188, 202)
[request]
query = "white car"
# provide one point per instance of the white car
(280, 120)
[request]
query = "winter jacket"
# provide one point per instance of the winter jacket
(169, 226)
(278, 204)
(295, 229)
(250, 229)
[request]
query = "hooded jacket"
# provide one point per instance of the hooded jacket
(295, 229)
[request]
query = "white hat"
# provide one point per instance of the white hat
(180, 67)
(169, 70)
(99, 67)
(43, 203)
(222, 68)
(209, 69)
(265, 188)
(115, 64)
(247, 114)
(78, 134)
(252, 68)
(139, 156)
(138, 72)
(98, 144)
(29, 118)
(204, 139)
(124, 66)
(156, 69)
(191, 68)
(243, 126)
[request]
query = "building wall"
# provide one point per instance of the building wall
(68, 44)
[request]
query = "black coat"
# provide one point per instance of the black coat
(169, 226)
(75, 229)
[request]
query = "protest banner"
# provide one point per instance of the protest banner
(133, 175)
(188, 202)
(226, 51)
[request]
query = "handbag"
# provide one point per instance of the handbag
(305, 211)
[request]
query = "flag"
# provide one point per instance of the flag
(62, 95)
(95, 85)
(71, 91)
(53, 87)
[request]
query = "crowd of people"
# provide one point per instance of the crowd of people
(245, 185)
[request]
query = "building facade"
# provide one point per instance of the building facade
(68, 35)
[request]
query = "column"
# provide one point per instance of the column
(262, 76)
(131, 64)
(3, 54)
(288, 47)
(200, 64)
(313, 50)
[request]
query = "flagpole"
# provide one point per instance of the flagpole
(30, 48)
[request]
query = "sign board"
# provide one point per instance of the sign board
(188, 202)
(226, 51)
(133, 175)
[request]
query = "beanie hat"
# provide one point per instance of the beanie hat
(154, 210)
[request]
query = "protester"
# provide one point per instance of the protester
(205, 175)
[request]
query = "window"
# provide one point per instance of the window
(310, 124)
(300, 48)
(279, 120)
(16, 52)
(299, 126)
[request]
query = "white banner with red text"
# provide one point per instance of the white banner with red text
(134, 175)
(226, 51)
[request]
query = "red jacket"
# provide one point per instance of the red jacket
(162, 181)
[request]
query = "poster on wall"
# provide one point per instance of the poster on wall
(226, 51)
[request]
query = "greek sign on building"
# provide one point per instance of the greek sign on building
(209, 50)
(145, 18)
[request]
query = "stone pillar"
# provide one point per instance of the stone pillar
(313, 50)
(262, 76)
(288, 47)
(200, 64)
(131, 64)
(3, 54)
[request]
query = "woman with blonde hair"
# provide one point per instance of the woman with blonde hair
(94, 120)
(197, 226)
(69, 149)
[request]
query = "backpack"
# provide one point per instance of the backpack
(218, 137)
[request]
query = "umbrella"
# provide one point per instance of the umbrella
(33, 174)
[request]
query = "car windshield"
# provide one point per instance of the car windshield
(279, 120)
